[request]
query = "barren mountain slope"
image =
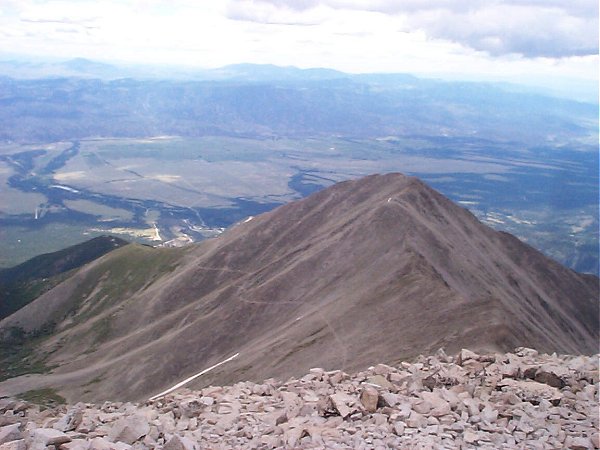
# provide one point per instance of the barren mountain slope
(372, 270)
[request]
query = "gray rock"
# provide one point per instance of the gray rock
(76, 444)
(271, 441)
(421, 406)
(7, 404)
(398, 428)
(70, 421)
(191, 408)
(9, 419)
(129, 429)
(414, 384)
(578, 443)
(403, 410)
(343, 403)
(40, 438)
(526, 352)
(18, 444)
(167, 423)
(310, 396)
(380, 419)
(21, 407)
(549, 378)
(432, 403)
(180, 443)
(380, 381)
(292, 404)
(489, 414)
(120, 446)
(382, 369)
(10, 433)
(532, 391)
(465, 355)
(209, 401)
(595, 440)
(416, 420)
(369, 398)
(389, 399)
(438, 406)
(442, 356)
(293, 436)
(337, 376)
(470, 436)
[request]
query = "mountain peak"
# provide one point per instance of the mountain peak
(371, 270)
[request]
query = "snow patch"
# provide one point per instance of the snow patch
(193, 377)
(64, 188)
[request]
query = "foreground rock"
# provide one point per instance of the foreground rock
(514, 400)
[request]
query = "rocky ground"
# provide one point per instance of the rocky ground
(514, 400)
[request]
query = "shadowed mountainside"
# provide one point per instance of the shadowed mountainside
(23, 283)
(378, 269)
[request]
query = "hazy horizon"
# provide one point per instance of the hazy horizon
(553, 44)
(561, 87)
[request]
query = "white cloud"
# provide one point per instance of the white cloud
(532, 28)
(523, 29)
(297, 13)
(427, 37)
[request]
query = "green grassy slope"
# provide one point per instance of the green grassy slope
(25, 282)
(94, 292)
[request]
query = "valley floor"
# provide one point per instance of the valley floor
(514, 400)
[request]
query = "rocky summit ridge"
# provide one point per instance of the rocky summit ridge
(491, 401)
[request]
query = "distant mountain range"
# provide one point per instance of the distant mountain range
(372, 270)
(20, 67)
(269, 101)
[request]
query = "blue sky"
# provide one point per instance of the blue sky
(466, 38)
